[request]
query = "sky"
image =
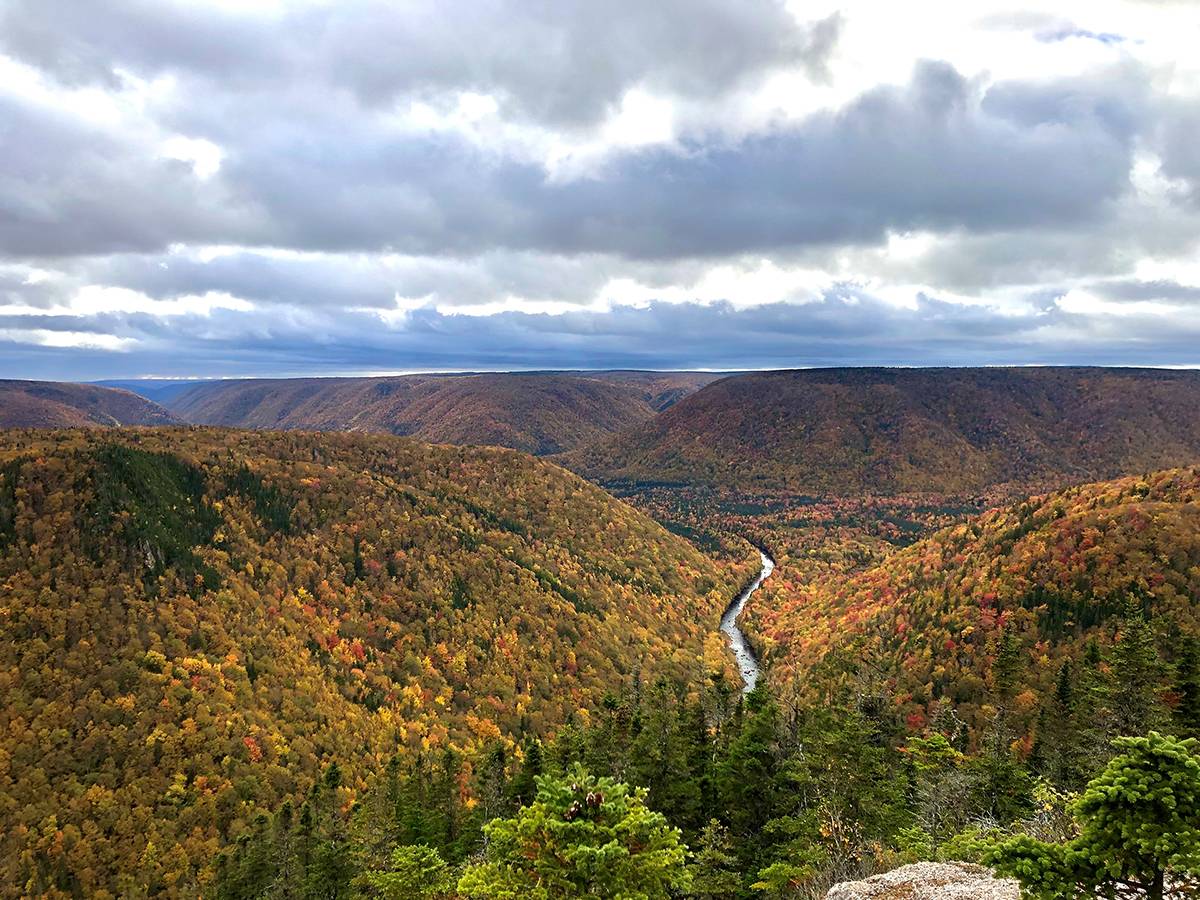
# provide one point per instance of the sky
(269, 188)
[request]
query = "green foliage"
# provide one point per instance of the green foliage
(1137, 673)
(582, 836)
(10, 472)
(714, 871)
(415, 872)
(1187, 686)
(271, 505)
(155, 503)
(1140, 829)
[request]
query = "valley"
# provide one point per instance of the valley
(213, 616)
(233, 632)
(734, 450)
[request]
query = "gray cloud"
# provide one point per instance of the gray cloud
(68, 187)
(560, 61)
(1133, 291)
(928, 155)
(846, 327)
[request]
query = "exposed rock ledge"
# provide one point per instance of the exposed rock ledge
(929, 881)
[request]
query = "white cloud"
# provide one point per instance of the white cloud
(203, 156)
(67, 340)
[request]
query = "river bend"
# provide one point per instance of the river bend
(747, 664)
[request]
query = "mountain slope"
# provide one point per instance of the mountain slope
(160, 390)
(50, 404)
(539, 412)
(843, 431)
(1052, 572)
(195, 621)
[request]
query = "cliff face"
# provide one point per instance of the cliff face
(929, 881)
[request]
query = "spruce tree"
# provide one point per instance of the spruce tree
(1136, 704)
(582, 836)
(1187, 688)
(1139, 830)
(715, 871)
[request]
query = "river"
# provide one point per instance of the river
(746, 662)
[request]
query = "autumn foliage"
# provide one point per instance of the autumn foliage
(196, 622)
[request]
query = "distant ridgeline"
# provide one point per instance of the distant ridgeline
(538, 412)
(48, 404)
(196, 622)
(891, 431)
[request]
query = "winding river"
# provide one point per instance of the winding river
(746, 662)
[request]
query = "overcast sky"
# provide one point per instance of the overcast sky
(261, 187)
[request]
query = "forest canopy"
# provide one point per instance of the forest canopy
(196, 622)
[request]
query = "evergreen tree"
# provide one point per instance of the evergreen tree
(714, 871)
(524, 786)
(659, 759)
(581, 836)
(1136, 704)
(1007, 667)
(414, 872)
(1187, 688)
(1139, 830)
(747, 770)
(1059, 747)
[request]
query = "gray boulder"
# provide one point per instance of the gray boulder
(929, 881)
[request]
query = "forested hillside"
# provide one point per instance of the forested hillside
(996, 612)
(538, 412)
(196, 622)
(49, 404)
(842, 432)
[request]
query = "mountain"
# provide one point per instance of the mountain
(50, 404)
(1046, 575)
(541, 412)
(195, 622)
(160, 390)
(889, 431)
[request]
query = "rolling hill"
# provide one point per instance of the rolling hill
(541, 412)
(50, 404)
(927, 624)
(890, 431)
(194, 622)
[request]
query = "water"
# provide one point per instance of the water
(746, 662)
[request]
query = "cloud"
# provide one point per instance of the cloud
(565, 62)
(936, 153)
(69, 186)
(846, 326)
(271, 187)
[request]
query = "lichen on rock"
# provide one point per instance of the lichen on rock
(929, 881)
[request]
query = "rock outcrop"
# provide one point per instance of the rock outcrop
(929, 881)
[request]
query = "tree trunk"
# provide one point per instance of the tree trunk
(1156, 887)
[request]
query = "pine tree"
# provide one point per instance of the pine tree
(1137, 671)
(524, 784)
(414, 872)
(1187, 687)
(747, 772)
(1057, 752)
(1139, 830)
(1007, 667)
(581, 836)
(715, 871)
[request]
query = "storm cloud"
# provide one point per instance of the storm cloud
(278, 187)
